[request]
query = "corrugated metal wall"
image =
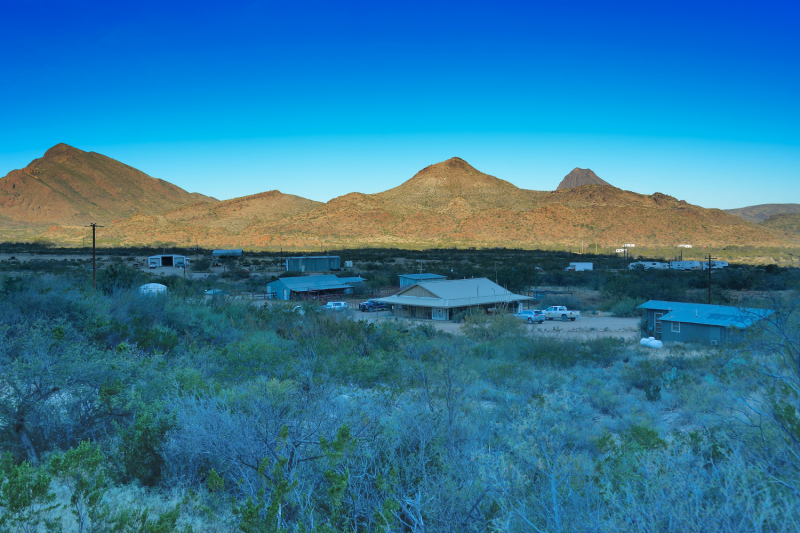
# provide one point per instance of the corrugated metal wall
(314, 264)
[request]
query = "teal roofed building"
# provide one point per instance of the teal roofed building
(701, 323)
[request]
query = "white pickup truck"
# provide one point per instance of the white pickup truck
(560, 312)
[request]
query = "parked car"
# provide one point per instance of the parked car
(530, 316)
(561, 312)
(335, 306)
(371, 305)
(299, 310)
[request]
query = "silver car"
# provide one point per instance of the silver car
(530, 316)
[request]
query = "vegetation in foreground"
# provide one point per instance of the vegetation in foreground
(128, 413)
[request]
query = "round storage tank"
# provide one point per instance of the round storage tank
(153, 289)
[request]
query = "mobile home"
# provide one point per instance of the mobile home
(685, 265)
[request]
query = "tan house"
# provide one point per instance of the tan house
(441, 300)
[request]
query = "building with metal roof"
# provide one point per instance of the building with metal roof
(703, 323)
(441, 300)
(167, 260)
(298, 287)
(406, 280)
(227, 253)
(313, 263)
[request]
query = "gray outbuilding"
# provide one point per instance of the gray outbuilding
(302, 287)
(313, 263)
(701, 323)
(227, 253)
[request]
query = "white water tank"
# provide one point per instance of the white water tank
(152, 289)
(651, 342)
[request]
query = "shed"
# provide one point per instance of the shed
(313, 263)
(441, 300)
(166, 260)
(227, 253)
(311, 286)
(703, 323)
(152, 289)
(406, 280)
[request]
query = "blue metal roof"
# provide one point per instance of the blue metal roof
(710, 315)
(422, 276)
(315, 283)
(356, 279)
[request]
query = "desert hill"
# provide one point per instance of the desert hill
(446, 204)
(579, 177)
(757, 213)
(452, 203)
(68, 186)
(786, 223)
(453, 185)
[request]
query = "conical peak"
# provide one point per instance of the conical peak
(61, 149)
(454, 164)
(580, 176)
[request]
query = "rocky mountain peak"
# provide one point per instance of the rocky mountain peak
(578, 177)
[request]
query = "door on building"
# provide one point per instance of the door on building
(658, 323)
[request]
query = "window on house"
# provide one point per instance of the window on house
(676, 327)
(658, 321)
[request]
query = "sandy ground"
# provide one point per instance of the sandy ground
(584, 327)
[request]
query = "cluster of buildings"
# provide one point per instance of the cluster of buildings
(434, 297)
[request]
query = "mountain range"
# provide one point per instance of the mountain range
(445, 204)
(759, 213)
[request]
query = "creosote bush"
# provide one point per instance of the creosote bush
(121, 413)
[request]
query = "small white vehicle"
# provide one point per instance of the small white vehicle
(560, 312)
(530, 316)
(299, 310)
(335, 306)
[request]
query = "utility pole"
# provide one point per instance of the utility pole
(709, 278)
(94, 227)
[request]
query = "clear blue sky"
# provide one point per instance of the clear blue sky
(699, 100)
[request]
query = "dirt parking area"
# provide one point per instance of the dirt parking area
(592, 326)
(584, 327)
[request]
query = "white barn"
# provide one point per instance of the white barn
(167, 260)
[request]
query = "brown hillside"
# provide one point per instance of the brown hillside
(439, 186)
(579, 177)
(70, 186)
(786, 223)
(758, 213)
(449, 203)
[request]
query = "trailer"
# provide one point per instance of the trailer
(649, 265)
(715, 265)
(685, 265)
